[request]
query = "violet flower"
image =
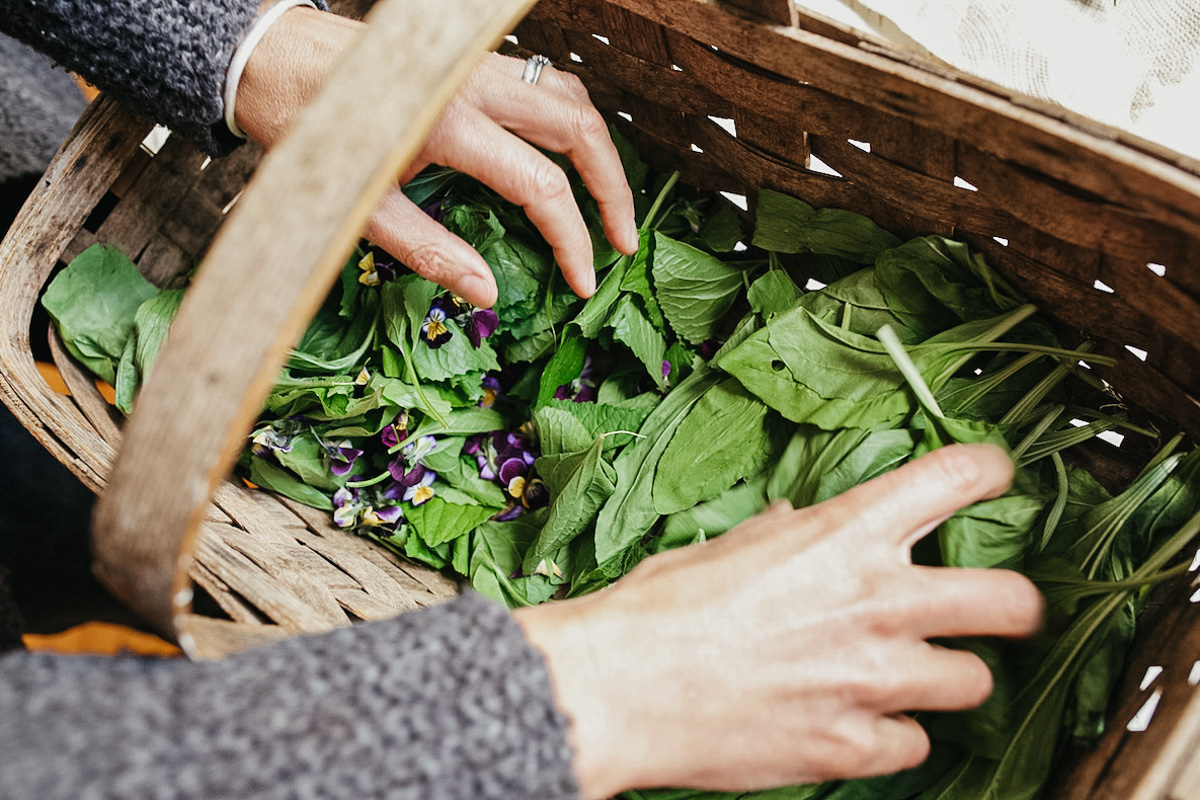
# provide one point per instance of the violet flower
(421, 491)
(582, 389)
(433, 330)
(491, 391)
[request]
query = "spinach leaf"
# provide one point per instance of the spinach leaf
(694, 289)
(787, 225)
(93, 302)
(725, 437)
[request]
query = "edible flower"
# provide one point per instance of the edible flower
(433, 330)
(582, 389)
(275, 437)
(352, 509)
(420, 491)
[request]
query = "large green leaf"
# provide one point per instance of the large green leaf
(695, 290)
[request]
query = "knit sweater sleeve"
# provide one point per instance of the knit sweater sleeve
(448, 703)
(165, 59)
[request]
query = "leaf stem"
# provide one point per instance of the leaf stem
(909, 370)
(648, 223)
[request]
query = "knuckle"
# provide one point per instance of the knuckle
(573, 86)
(430, 261)
(956, 467)
(549, 183)
(587, 124)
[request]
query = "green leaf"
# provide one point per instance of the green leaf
(559, 431)
(127, 379)
(725, 437)
(695, 289)
(307, 461)
(150, 323)
(787, 225)
(579, 484)
(497, 549)
(270, 476)
(721, 232)
(931, 281)
(631, 327)
(437, 521)
(331, 343)
(93, 301)
(722, 513)
(629, 513)
(564, 366)
(772, 294)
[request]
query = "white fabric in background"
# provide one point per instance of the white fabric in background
(1133, 64)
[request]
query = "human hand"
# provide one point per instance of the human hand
(488, 130)
(788, 650)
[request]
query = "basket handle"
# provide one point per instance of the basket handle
(267, 272)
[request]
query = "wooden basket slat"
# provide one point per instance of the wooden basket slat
(286, 566)
(634, 78)
(203, 208)
(918, 95)
(630, 32)
(779, 12)
(277, 599)
(152, 198)
(229, 601)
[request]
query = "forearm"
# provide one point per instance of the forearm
(166, 60)
(443, 703)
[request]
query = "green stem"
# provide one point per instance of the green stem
(1060, 501)
(1041, 427)
(648, 223)
(369, 481)
(908, 369)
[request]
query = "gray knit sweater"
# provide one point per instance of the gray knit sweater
(450, 702)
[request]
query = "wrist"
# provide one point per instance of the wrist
(286, 69)
(595, 686)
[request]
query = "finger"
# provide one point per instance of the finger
(556, 114)
(899, 743)
(472, 143)
(976, 602)
(932, 678)
(427, 248)
(918, 495)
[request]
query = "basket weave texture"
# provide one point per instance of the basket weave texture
(1099, 229)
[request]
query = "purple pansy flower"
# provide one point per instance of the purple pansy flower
(420, 491)
(352, 508)
(491, 391)
(272, 438)
(480, 324)
(395, 432)
(582, 389)
(341, 457)
(433, 330)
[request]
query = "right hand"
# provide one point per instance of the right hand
(788, 650)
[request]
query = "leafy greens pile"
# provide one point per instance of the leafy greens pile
(544, 447)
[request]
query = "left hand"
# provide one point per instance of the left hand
(488, 130)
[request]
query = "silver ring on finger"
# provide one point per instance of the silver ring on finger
(533, 69)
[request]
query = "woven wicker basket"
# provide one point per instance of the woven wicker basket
(1100, 229)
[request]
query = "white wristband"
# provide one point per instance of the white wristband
(242, 53)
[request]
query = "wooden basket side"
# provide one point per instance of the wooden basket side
(1101, 235)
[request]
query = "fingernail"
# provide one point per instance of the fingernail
(477, 289)
(588, 284)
